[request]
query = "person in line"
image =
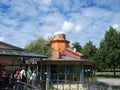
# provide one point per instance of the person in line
(17, 79)
(29, 73)
(23, 75)
(12, 81)
(37, 83)
(4, 76)
(33, 77)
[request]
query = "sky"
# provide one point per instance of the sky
(22, 21)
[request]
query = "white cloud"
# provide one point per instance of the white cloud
(48, 36)
(116, 26)
(78, 28)
(8, 21)
(22, 21)
(47, 2)
(1, 39)
(95, 12)
(64, 6)
(109, 4)
(69, 26)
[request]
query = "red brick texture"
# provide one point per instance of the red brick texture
(71, 53)
(56, 54)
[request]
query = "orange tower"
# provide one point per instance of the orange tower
(60, 47)
(58, 44)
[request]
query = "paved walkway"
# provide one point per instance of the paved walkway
(110, 81)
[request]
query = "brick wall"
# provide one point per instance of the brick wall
(56, 54)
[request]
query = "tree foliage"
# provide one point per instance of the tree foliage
(89, 50)
(109, 51)
(107, 55)
(77, 46)
(39, 47)
(101, 55)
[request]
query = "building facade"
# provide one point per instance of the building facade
(12, 57)
(66, 68)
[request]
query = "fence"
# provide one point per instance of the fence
(26, 86)
(72, 86)
(93, 86)
(76, 86)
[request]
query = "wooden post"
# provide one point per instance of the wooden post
(47, 76)
(82, 74)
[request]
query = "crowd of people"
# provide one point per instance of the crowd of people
(12, 81)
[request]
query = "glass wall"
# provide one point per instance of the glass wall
(66, 73)
(88, 72)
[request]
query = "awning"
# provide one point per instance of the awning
(20, 53)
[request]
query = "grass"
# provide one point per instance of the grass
(108, 74)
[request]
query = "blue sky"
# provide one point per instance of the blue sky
(22, 21)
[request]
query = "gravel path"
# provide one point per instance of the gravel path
(110, 81)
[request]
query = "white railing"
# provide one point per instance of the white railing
(76, 86)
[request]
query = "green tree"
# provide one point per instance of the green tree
(39, 47)
(112, 41)
(101, 55)
(110, 49)
(77, 46)
(89, 50)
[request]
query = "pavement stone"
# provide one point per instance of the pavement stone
(110, 81)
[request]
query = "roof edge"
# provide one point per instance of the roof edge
(11, 45)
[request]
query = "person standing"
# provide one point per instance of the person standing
(29, 73)
(17, 80)
(33, 77)
(23, 75)
(12, 80)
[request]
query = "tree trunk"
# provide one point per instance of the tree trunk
(114, 69)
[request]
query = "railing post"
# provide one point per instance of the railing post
(47, 85)
(47, 76)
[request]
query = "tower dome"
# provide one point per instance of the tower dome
(58, 33)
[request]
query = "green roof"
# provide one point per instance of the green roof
(22, 53)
